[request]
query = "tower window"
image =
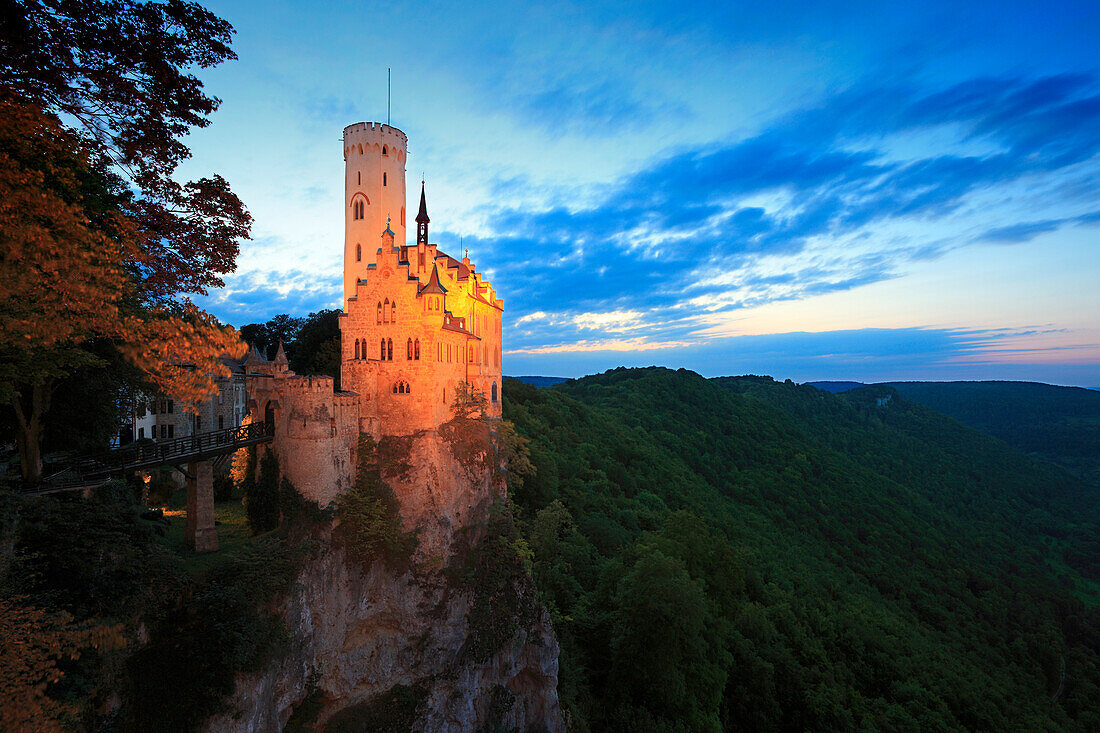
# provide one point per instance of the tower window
(384, 150)
(358, 178)
(379, 315)
(389, 349)
(382, 353)
(494, 391)
(409, 350)
(356, 348)
(358, 252)
(416, 350)
(383, 179)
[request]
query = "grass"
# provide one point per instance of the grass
(234, 534)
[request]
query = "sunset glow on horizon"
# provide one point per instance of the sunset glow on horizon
(862, 191)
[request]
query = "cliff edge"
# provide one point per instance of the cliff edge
(451, 639)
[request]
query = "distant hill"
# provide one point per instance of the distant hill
(835, 386)
(740, 553)
(1060, 424)
(540, 381)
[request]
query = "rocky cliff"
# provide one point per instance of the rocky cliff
(453, 641)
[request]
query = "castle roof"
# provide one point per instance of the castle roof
(254, 357)
(280, 355)
(422, 215)
(434, 287)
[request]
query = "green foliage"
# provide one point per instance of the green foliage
(295, 508)
(223, 486)
(740, 553)
(487, 563)
(261, 497)
(394, 710)
(1060, 424)
(189, 666)
(312, 344)
(369, 514)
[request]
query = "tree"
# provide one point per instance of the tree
(97, 240)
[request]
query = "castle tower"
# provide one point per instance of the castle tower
(374, 189)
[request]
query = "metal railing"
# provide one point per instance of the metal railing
(149, 454)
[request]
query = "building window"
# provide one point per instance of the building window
(393, 312)
(141, 433)
(409, 350)
(389, 349)
(416, 350)
(382, 355)
(444, 395)
(221, 419)
(358, 253)
(198, 423)
(395, 386)
(386, 311)
(383, 179)
(494, 391)
(379, 319)
(171, 406)
(358, 178)
(163, 431)
(171, 431)
(356, 348)
(384, 150)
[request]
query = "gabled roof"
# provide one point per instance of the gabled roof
(434, 287)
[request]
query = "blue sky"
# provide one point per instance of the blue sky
(809, 190)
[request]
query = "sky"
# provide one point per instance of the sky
(808, 190)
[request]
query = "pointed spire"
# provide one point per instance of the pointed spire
(280, 355)
(422, 218)
(422, 215)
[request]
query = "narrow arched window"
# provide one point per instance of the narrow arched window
(383, 179)
(358, 178)
(408, 389)
(358, 253)
(379, 318)
(416, 350)
(386, 310)
(409, 350)
(382, 351)
(396, 386)
(389, 349)
(384, 150)
(494, 391)
(356, 348)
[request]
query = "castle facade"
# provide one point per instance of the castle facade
(417, 323)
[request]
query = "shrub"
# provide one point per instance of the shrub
(261, 499)
(370, 517)
(223, 486)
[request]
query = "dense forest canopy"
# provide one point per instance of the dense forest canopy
(741, 553)
(1060, 424)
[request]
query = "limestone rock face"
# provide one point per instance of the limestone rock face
(357, 631)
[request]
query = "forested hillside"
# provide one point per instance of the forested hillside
(746, 554)
(1060, 424)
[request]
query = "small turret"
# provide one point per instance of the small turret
(422, 219)
(280, 355)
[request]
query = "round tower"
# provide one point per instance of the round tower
(374, 189)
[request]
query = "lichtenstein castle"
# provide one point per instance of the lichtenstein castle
(416, 322)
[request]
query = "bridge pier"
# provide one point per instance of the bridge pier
(201, 534)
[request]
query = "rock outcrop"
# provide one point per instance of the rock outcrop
(359, 634)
